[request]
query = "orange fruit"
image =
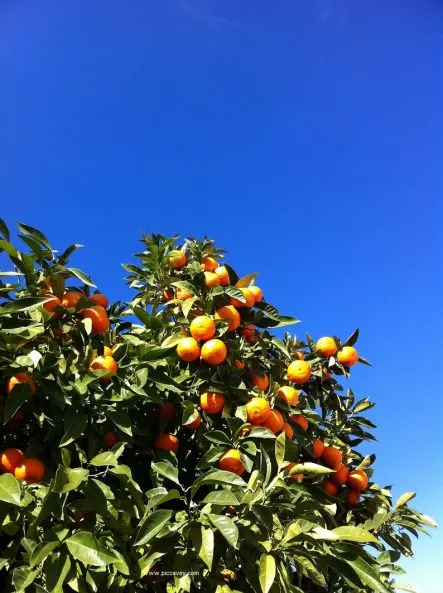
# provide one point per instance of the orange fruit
(326, 346)
(166, 411)
(18, 379)
(299, 355)
(340, 476)
(332, 457)
(104, 363)
(258, 410)
(211, 279)
(100, 299)
(166, 442)
(274, 421)
(194, 424)
(30, 469)
(9, 460)
(212, 402)
(259, 380)
(249, 297)
(107, 351)
(188, 349)
(210, 264)
(110, 439)
(330, 488)
(214, 352)
(202, 328)
(348, 356)
(168, 295)
(353, 498)
(231, 314)
(300, 420)
(358, 480)
(183, 294)
(239, 364)
(223, 275)
(178, 260)
(318, 448)
(296, 477)
(230, 461)
(299, 372)
(52, 304)
(257, 292)
(71, 298)
(99, 318)
(288, 394)
(288, 430)
(248, 331)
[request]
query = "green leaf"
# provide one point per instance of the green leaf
(206, 549)
(55, 570)
(106, 458)
(246, 280)
(151, 525)
(19, 395)
(81, 276)
(266, 572)
(352, 338)
(165, 469)
(218, 477)
(160, 495)
(22, 578)
(40, 552)
(404, 498)
(365, 572)
(121, 420)
(67, 479)
(226, 527)
(35, 234)
(280, 448)
(354, 534)
(271, 317)
(149, 321)
(23, 304)
(75, 424)
(9, 489)
(4, 229)
(86, 548)
(9, 248)
(221, 497)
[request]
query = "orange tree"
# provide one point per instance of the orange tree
(173, 443)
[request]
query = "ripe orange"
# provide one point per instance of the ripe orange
(330, 488)
(188, 349)
(166, 442)
(100, 299)
(71, 298)
(166, 411)
(353, 498)
(18, 379)
(231, 314)
(249, 297)
(358, 480)
(258, 410)
(318, 448)
(183, 294)
(299, 372)
(104, 363)
(107, 351)
(274, 421)
(99, 318)
(300, 420)
(348, 356)
(30, 469)
(178, 260)
(296, 477)
(261, 381)
(194, 424)
(332, 457)
(211, 279)
(214, 352)
(340, 476)
(257, 292)
(239, 364)
(168, 295)
(110, 439)
(299, 354)
(202, 328)
(51, 305)
(288, 394)
(9, 460)
(248, 331)
(288, 430)
(212, 402)
(223, 275)
(326, 346)
(230, 461)
(210, 264)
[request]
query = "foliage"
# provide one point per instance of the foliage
(131, 517)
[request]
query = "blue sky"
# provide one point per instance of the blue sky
(305, 136)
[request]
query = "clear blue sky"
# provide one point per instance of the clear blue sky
(305, 136)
